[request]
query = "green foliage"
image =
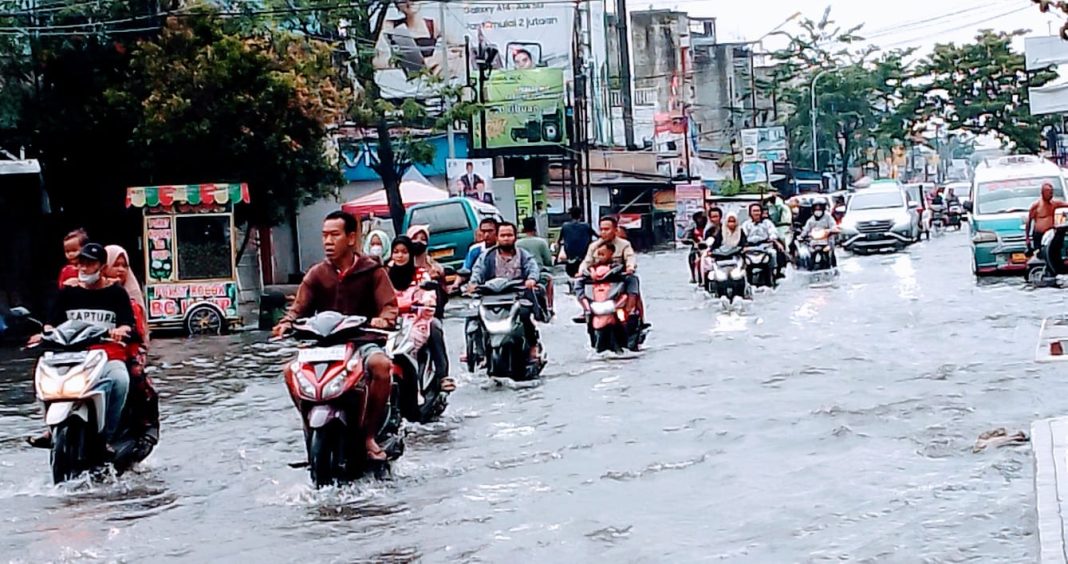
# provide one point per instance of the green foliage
(981, 88)
(193, 98)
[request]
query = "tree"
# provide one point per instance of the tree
(114, 96)
(385, 126)
(982, 88)
(213, 104)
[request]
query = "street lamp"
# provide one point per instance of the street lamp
(812, 112)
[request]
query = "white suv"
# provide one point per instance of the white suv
(880, 217)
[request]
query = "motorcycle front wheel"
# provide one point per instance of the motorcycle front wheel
(324, 455)
(70, 450)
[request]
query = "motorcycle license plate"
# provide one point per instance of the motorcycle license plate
(322, 354)
(1018, 258)
(439, 253)
(67, 357)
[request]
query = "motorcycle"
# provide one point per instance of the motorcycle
(422, 399)
(953, 215)
(725, 276)
(604, 302)
(938, 219)
(323, 380)
(495, 332)
(1041, 272)
(758, 266)
(68, 381)
(815, 253)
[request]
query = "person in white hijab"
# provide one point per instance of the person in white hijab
(732, 235)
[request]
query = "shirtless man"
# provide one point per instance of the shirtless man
(1040, 217)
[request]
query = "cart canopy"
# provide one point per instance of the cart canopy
(412, 193)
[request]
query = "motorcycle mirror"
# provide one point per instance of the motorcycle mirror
(968, 206)
(840, 209)
(19, 312)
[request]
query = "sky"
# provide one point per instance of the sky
(888, 24)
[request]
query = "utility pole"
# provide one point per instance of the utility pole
(812, 112)
(624, 72)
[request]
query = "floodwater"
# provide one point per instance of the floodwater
(825, 424)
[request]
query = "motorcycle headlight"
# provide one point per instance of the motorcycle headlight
(498, 325)
(721, 276)
(75, 385)
(985, 237)
(334, 387)
(603, 308)
(48, 386)
(737, 274)
(307, 389)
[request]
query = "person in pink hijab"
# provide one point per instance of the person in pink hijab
(143, 401)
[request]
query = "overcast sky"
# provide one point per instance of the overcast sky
(888, 24)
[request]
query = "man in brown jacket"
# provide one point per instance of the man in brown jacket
(352, 284)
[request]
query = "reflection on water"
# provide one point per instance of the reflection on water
(822, 423)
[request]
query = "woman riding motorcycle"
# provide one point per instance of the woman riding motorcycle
(407, 279)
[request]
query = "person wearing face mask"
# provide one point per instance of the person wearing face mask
(820, 220)
(431, 270)
(377, 246)
(405, 277)
(98, 301)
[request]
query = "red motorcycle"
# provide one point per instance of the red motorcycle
(607, 321)
(328, 384)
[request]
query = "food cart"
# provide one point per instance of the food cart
(190, 248)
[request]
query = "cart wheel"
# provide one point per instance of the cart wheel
(204, 320)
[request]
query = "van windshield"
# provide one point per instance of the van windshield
(1013, 195)
(876, 200)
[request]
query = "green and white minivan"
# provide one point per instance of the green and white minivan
(1002, 192)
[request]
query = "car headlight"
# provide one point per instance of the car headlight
(334, 387)
(307, 389)
(985, 237)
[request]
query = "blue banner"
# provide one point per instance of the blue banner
(357, 158)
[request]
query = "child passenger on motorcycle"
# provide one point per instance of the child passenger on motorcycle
(602, 256)
(403, 274)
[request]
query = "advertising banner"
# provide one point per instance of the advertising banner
(423, 46)
(472, 178)
(764, 144)
(170, 302)
(159, 235)
(524, 198)
(524, 108)
(753, 173)
(689, 199)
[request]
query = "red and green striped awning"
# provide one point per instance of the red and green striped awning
(193, 194)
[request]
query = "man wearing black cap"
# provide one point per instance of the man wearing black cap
(97, 301)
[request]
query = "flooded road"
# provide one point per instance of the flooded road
(827, 424)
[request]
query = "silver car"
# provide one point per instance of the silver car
(880, 218)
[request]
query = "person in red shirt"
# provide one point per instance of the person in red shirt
(72, 245)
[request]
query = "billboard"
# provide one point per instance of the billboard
(471, 178)
(764, 144)
(689, 199)
(423, 45)
(523, 108)
(753, 173)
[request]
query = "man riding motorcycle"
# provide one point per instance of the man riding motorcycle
(762, 233)
(352, 284)
(510, 262)
(694, 234)
(624, 254)
(820, 220)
